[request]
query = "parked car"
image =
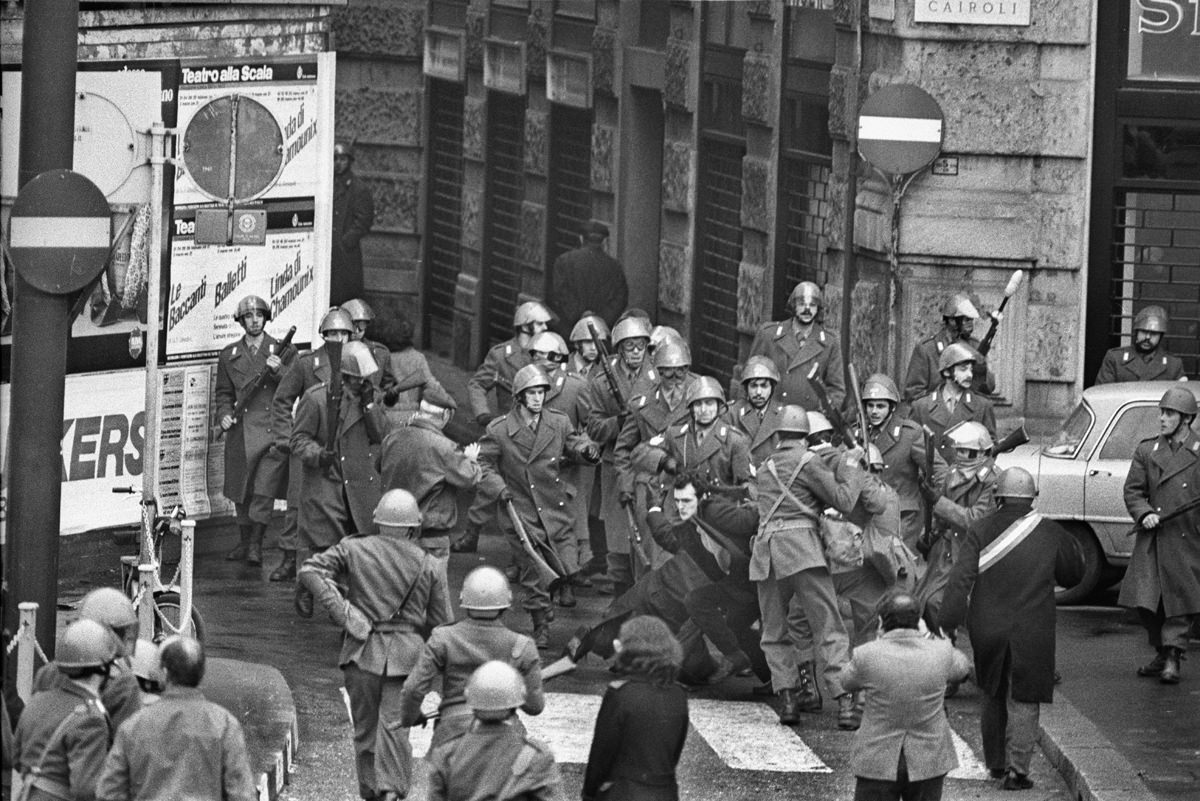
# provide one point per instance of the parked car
(1081, 474)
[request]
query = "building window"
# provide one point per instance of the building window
(1164, 40)
(579, 9)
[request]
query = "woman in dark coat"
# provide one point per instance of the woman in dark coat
(643, 719)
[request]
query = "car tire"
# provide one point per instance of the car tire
(1094, 564)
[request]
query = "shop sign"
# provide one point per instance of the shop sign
(972, 12)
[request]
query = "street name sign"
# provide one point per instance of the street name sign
(900, 129)
(60, 232)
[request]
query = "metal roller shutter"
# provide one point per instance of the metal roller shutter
(503, 192)
(719, 251)
(570, 196)
(443, 254)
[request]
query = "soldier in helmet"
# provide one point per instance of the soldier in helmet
(493, 757)
(924, 366)
(112, 609)
(1002, 587)
(788, 562)
(585, 354)
(341, 476)
(453, 652)
(965, 496)
(255, 474)
(523, 455)
(607, 411)
(568, 394)
(64, 733)
(804, 352)
(954, 401)
(1162, 494)
(353, 216)
(306, 372)
(901, 444)
(362, 315)
(651, 414)
(1147, 359)
(757, 414)
(393, 592)
(496, 374)
(585, 363)
(588, 278)
(421, 459)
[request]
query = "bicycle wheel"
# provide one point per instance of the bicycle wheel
(171, 607)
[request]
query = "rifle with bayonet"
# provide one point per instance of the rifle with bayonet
(640, 563)
(602, 349)
(835, 416)
(859, 407)
(255, 384)
(930, 447)
(1188, 506)
(333, 395)
(1011, 289)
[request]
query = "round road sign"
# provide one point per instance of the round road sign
(900, 129)
(60, 232)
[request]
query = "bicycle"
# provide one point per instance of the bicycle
(167, 599)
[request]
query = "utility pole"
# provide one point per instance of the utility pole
(40, 326)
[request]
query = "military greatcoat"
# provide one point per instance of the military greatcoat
(902, 445)
(757, 429)
(306, 372)
(1165, 565)
(497, 372)
(1127, 364)
(818, 360)
(930, 410)
(354, 476)
(923, 375)
(251, 468)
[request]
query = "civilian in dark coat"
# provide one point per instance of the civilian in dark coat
(587, 279)
(1002, 585)
(643, 720)
(353, 215)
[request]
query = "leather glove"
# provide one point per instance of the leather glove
(326, 458)
(484, 419)
(420, 720)
(929, 492)
(356, 623)
(590, 453)
(390, 397)
(626, 499)
(281, 447)
(669, 465)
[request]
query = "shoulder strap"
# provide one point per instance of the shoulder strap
(1010, 538)
(786, 487)
(408, 594)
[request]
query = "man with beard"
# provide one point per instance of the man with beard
(954, 401)
(634, 375)
(255, 473)
(803, 352)
(496, 374)
(1147, 359)
(1162, 493)
(523, 455)
(958, 324)
(757, 415)
(901, 443)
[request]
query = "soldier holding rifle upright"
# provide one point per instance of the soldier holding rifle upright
(255, 473)
(804, 352)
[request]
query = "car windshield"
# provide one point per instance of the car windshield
(1067, 441)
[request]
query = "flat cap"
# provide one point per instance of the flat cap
(435, 395)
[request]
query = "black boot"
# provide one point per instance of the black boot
(467, 542)
(254, 549)
(808, 694)
(789, 710)
(849, 718)
(287, 568)
(541, 629)
(243, 547)
(566, 595)
(1171, 666)
(1154, 668)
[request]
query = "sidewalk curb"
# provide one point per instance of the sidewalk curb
(1092, 767)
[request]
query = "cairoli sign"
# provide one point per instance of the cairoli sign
(972, 12)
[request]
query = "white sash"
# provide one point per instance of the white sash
(1012, 536)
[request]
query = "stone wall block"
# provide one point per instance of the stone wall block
(533, 235)
(758, 87)
(604, 58)
(536, 42)
(835, 209)
(476, 25)
(472, 218)
(1060, 222)
(845, 12)
(751, 285)
(381, 116)
(394, 30)
(1052, 342)
(843, 108)
(677, 81)
(674, 277)
(677, 177)
(536, 125)
(868, 327)
(756, 193)
(473, 111)
(1026, 119)
(396, 202)
(602, 158)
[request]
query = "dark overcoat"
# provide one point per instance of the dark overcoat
(497, 372)
(1165, 565)
(310, 369)
(649, 416)
(587, 279)
(355, 470)
(930, 410)
(923, 375)
(420, 458)
(1126, 364)
(1009, 609)
(639, 736)
(758, 430)
(901, 443)
(251, 467)
(353, 215)
(819, 360)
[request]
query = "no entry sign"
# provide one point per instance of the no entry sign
(900, 129)
(60, 232)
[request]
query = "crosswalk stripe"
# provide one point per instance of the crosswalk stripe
(969, 766)
(747, 736)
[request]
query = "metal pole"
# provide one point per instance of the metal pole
(146, 610)
(186, 561)
(153, 315)
(40, 323)
(27, 649)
